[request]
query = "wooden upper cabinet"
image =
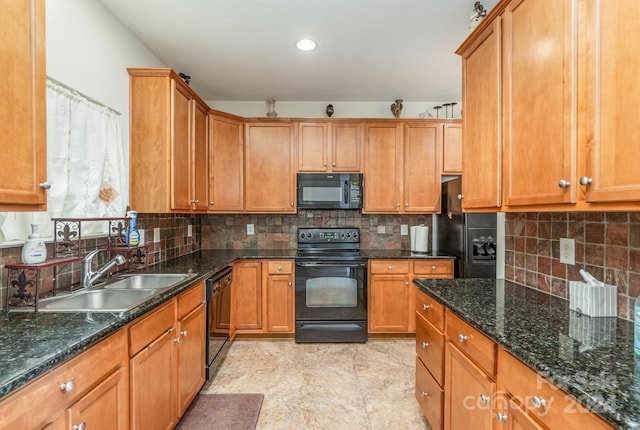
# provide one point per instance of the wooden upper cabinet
(452, 149)
(482, 119)
(23, 150)
(168, 143)
(181, 167)
(270, 160)
(382, 167)
(328, 146)
(540, 102)
(610, 127)
(422, 166)
(226, 163)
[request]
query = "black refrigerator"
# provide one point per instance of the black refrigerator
(471, 237)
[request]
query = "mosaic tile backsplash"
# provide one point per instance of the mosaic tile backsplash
(280, 231)
(607, 245)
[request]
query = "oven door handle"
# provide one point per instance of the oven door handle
(333, 264)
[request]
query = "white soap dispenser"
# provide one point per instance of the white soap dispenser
(34, 250)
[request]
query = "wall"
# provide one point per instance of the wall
(607, 246)
(280, 231)
(316, 109)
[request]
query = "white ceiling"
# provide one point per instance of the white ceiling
(368, 50)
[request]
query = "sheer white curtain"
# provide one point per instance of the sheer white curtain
(85, 165)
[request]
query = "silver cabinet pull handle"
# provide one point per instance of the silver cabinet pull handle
(45, 185)
(564, 184)
(463, 338)
(538, 402)
(67, 386)
(585, 180)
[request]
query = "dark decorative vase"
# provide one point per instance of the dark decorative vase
(329, 110)
(396, 108)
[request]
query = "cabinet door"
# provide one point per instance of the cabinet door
(422, 167)
(389, 303)
(191, 356)
(382, 167)
(540, 102)
(180, 148)
(104, 407)
(270, 168)
(482, 121)
(452, 149)
(226, 170)
(279, 312)
(612, 124)
(469, 393)
(199, 159)
(153, 385)
(23, 149)
(313, 147)
(346, 147)
(247, 284)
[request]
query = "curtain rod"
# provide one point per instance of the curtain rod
(78, 93)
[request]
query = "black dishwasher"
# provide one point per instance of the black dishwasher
(218, 295)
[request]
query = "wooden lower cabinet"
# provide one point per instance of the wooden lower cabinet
(95, 393)
(192, 337)
(429, 395)
(392, 294)
(469, 393)
(265, 296)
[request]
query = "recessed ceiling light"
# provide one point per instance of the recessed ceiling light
(306, 45)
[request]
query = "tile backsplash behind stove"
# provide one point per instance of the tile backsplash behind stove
(280, 231)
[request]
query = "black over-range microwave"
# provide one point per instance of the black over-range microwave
(329, 191)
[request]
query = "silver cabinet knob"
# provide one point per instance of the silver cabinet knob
(425, 306)
(184, 333)
(324, 163)
(333, 164)
(390, 267)
(433, 268)
(289, 283)
(585, 180)
(291, 204)
(406, 205)
(195, 201)
(538, 402)
(564, 184)
(397, 205)
(425, 344)
(177, 340)
(406, 283)
(67, 386)
(460, 196)
(45, 185)
(424, 394)
(212, 203)
(81, 426)
(484, 399)
(463, 338)
(280, 268)
(501, 417)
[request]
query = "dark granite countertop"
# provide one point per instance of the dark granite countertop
(391, 254)
(590, 358)
(32, 344)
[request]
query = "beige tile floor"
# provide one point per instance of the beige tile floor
(325, 386)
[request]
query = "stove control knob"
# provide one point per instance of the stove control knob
(355, 234)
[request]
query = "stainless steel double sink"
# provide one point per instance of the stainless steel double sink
(119, 294)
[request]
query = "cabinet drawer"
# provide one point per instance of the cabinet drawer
(279, 266)
(474, 344)
(380, 267)
(430, 348)
(32, 405)
(190, 299)
(429, 396)
(433, 268)
(429, 308)
(142, 333)
(552, 406)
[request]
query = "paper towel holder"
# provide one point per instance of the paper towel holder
(420, 239)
